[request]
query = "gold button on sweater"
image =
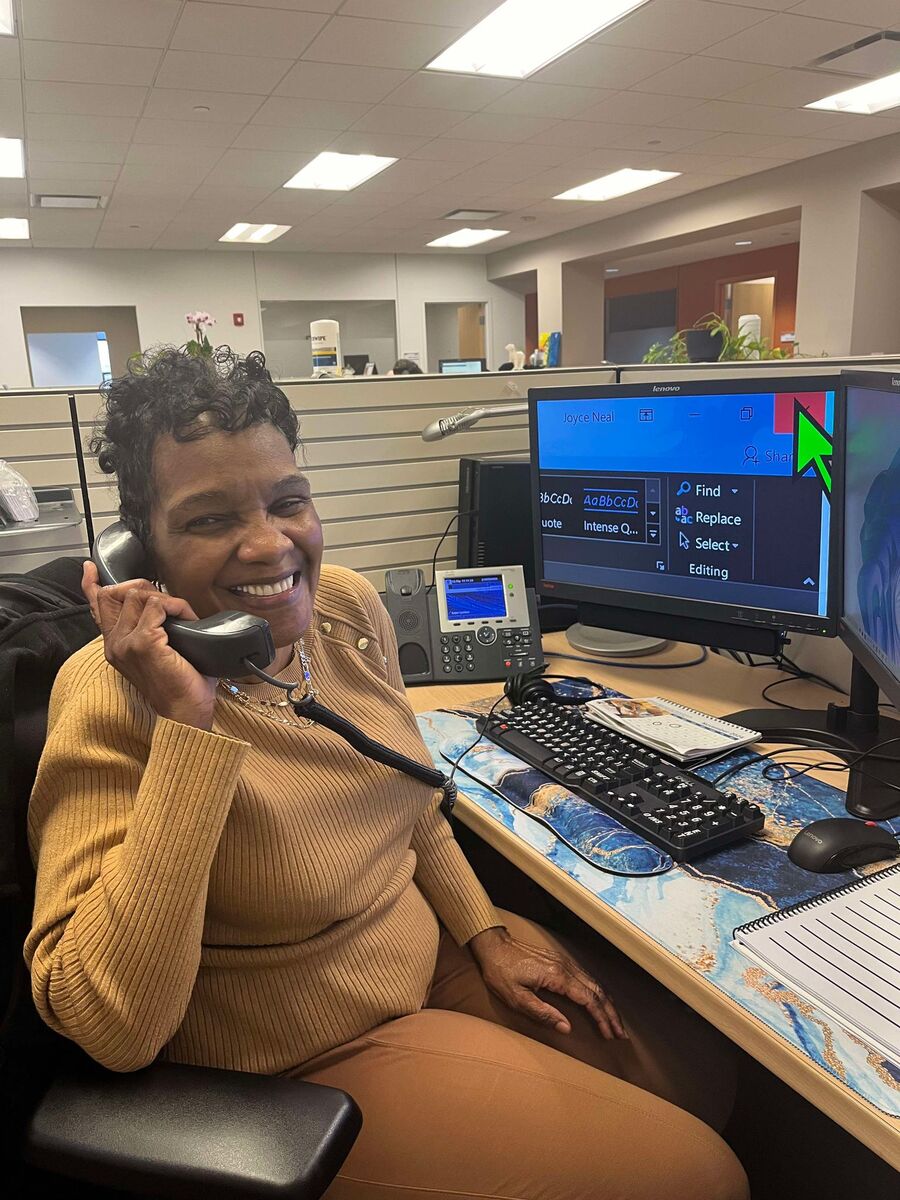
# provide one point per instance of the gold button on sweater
(248, 897)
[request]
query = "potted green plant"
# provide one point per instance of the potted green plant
(711, 340)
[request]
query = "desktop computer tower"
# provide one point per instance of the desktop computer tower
(496, 493)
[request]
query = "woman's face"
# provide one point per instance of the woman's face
(234, 527)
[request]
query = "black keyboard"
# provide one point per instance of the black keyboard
(668, 806)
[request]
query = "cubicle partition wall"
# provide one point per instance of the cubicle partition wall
(385, 496)
(654, 372)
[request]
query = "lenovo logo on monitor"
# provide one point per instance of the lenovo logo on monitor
(666, 388)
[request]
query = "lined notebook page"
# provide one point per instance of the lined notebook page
(843, 954)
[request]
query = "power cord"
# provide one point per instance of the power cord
(805, 768)
(469, 512)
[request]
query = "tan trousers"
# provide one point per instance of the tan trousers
(469, 1099)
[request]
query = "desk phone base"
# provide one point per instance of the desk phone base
(675, 810)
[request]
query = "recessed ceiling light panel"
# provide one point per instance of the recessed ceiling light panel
(522, 35)
(255, 234)
(868, 98)
(619, 183)
(468, 237)
(333, 172)
(14, 228)
(472, 214)
(12, 158)
(7, 19)
(53, 201)
(743, 243)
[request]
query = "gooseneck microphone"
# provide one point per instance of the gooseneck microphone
(444, 426)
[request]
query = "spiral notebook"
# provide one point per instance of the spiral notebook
(677, 731)
(840, 951)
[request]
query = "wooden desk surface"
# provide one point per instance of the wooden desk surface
(718, 686)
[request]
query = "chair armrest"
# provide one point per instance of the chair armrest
(173, 1130)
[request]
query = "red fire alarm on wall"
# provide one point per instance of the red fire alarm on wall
(238, 318)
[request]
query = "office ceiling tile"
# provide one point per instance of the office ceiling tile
(69, 172)
(880, 14)
(638, 108)
(68, 152)
(287, 208)
(548, 100)
(53, 127)
(61, 228)
(102, 22)
(152, 131)
(68, 186)
(9, 58)
(730, 117)
(13, 192)
(329, 81)
(199, 70)
(262, 168)
(175, 239)
(391, 145)
(175, 104)
(64, 62)
(229, 29)
(448, 149)
(311, 114)
(594, 135)
(593, 65)
(463, 93)
(793, 148)
(680, 25)
(323, 6)
(388, 118)
(276, 137)
(793, 89)
(180, 160)
(229, 201)
(787, 41)
(461, 13)
(10, 108)
(703, 78)
(387, 43)
(91, 99)
(500, 127)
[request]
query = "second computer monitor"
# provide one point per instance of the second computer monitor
(700, 500)
(461, 366)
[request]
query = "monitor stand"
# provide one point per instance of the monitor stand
(873, 791)
(590, 639)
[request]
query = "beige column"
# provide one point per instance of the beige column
(582, 313)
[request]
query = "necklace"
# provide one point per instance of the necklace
(281, 711)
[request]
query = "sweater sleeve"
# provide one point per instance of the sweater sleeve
(124, 821)
(442, 871)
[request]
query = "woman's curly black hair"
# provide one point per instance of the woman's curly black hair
(171, 391)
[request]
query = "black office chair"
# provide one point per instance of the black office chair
(166, 1131)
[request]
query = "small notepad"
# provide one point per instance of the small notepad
(840, 951)
(673, 729)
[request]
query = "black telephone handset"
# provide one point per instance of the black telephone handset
(232, 644)
(219, 645)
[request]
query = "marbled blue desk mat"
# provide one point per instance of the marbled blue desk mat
(693, 909)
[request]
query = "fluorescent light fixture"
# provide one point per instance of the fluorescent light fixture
(331, 172)
(620, 183)
(244, 232)
(46, 200)
(468, 237)
(13, 228)
(522, 35)
(7, 19)
(12, 158)
(743, 243)
(472, 214)
(612, 270)
(872, 97)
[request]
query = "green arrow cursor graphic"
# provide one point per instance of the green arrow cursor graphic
(813, 447)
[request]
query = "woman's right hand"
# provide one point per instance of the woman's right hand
(130, 616)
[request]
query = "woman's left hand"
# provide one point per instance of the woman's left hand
(515, 972)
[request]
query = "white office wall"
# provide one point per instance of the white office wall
(164, 285)
(442, 334)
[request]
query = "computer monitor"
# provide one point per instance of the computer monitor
(461, 366)
(870, 617)
(702, 510)
(356, 362)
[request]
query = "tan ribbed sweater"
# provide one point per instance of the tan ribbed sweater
(248, 897)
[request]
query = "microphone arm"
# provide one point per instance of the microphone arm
(445, 426)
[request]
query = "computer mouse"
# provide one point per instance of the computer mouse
(839, 843)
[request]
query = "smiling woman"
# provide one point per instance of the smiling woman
(220, 882)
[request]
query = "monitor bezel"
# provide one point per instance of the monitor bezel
(875, 381)
(482, 371)
(755, 617)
